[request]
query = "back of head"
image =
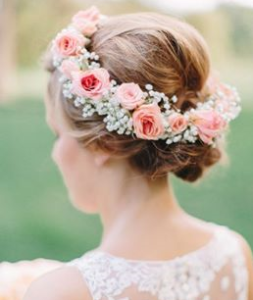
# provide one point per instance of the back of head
(143, 48)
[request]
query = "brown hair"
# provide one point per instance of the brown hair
(168, 53)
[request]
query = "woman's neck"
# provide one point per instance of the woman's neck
(142, 207)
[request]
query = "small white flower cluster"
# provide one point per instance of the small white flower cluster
(120, 119)
(90, 56)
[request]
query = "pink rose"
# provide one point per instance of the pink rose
(91, 83)
(69, 43)
(209, 124)
(86, 27)
(177, 122)
(148, 122)
(129, 95)
(86, 20)
(67, 67)
(91, 14)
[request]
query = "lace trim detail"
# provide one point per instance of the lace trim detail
(241, 275)
(183, 278)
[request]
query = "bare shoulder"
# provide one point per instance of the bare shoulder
(245, 246)
(247, 251)
(63, 283)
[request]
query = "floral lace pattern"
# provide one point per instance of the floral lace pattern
(215, 271)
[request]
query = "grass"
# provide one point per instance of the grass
(37, 219)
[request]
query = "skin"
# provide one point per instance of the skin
(133, 212)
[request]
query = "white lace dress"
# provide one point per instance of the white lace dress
(217, 271)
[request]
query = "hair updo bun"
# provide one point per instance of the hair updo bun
(143, 48)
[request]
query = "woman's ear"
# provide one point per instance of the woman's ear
(100, 157)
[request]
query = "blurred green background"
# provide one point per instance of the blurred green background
(37, 219)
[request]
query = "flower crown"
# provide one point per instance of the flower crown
(127, 108)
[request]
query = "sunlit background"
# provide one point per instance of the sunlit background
(37, 219)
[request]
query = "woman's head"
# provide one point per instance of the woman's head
(141, 48)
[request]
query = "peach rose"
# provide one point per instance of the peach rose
(148, 122)
(91, 83)
(86, 27)
(130, 95)
(69, 43)
(209, 124)
(91, 14)
(86, 20)
(177, 122)
(67, 67)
